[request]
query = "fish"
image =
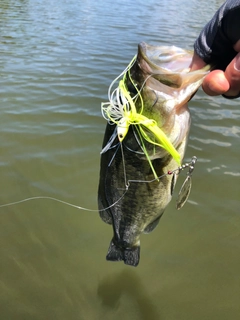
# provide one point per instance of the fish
(137, 168)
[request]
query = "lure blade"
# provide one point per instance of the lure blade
(184, 192)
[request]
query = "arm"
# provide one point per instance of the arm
(219, 44)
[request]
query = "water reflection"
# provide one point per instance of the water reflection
(127, 283)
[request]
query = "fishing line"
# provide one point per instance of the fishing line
(64, 202)
(183, 194)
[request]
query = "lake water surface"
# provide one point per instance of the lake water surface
(57, 59)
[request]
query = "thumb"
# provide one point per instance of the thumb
(197, 62)
(232, 74)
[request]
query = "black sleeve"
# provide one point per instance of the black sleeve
(215, 43)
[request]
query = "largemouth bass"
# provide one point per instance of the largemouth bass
(145, 139)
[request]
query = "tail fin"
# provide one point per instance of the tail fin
(130, 256)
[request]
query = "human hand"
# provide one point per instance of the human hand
(219, 82)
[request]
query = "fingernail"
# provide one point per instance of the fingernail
(237, 62)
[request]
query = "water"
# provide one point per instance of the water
(57, 61)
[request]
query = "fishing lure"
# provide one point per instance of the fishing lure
(187, 184)
(121, 110)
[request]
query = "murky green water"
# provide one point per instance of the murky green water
(57, 59)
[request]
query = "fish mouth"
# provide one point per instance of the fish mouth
(172, 59)
(165, 64)
(168, 65)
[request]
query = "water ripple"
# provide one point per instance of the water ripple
(226, 131)
(211, 141)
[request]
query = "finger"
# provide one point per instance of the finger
(232, 74)
(236, 47)
(215, 83)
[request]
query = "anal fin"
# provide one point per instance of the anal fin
(152, 225)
